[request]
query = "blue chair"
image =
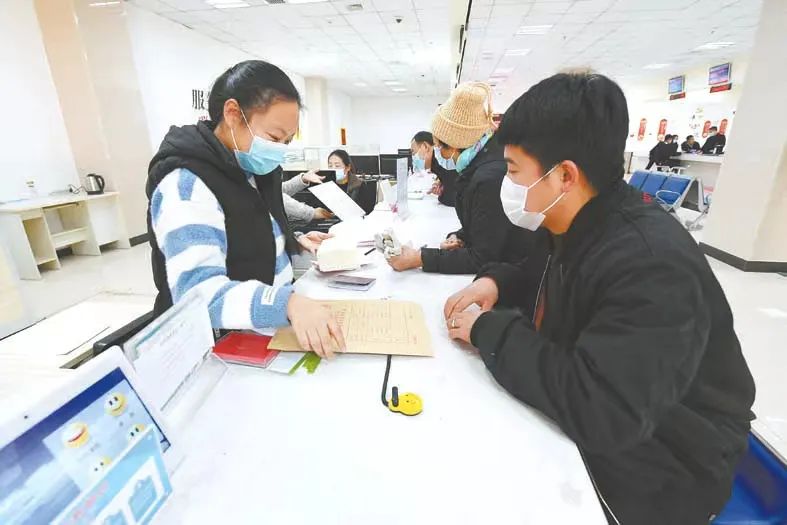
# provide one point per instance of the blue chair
(672, 192)
(759, 491)
(638, 178)
(653, 184)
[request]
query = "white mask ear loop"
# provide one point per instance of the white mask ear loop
(232, 131)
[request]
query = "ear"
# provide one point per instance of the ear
(232, 113)
(570, 177)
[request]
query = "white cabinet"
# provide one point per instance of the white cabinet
(34, 229)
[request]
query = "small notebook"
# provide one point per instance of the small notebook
(245, 349)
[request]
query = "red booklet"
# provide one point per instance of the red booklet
(245, 348)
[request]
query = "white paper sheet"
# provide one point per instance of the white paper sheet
(337, 201)
(168, 350)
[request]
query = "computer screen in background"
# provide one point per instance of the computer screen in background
(44, 469)
(366, 164)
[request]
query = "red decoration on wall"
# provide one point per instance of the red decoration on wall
(723, 126)
(642, 125)
(705, 128)
(662, 127)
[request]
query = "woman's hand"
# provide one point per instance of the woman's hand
(322, 213)
(312, 240)
(452, 243)
(409, 259)
(436, 189)
(315, 326)
(312, 177)
(460, 326)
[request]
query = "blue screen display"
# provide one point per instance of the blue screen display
(676, 85)
(47, 467)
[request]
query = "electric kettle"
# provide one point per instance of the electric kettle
(94, 184)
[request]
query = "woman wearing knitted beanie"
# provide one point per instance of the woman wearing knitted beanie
(464, 136)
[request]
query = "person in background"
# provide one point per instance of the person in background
(618, 330)
(690, 145)
(422, 149)
(339, 160)
(216, 217)
(299, 213)
(463, 134)
(715, 142)
(660, 153)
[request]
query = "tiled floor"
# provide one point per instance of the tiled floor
(759, 303)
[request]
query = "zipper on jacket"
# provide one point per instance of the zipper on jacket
(595, 487)
(540, 286)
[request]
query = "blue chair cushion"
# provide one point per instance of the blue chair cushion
(638, 177)
(653, 183)
(759, 491)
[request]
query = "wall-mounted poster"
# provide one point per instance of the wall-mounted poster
(723, 126)
(662, 128)
(705, 128)
(642, 125)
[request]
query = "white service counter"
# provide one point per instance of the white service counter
(705, 167)
(321, 448)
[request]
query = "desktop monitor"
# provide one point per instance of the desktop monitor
(388, 162)
(676, 85)
(56, 447)
(366, 164)
(720, 74)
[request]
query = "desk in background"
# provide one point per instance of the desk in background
(267, 448)
(705, 167)
(34, 229)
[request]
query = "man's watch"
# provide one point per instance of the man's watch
(297, 235)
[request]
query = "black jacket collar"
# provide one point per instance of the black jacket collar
(589, 222)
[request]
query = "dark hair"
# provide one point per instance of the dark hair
(423, 136)
(690, 137)
(580, 117)
(344, 156)
(713, 127)
(669, 137)
(255, 84)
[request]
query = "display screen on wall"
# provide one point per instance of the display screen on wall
(676, 85)
(719, 74)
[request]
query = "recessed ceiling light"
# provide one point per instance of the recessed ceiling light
(361, 84)
(710, 46)
(517, 52)
(496, 80)
(502, 71)
(103, 4)
(534, 30)
(655, 66)
(392, 83)
(355, 7)
(398, 90)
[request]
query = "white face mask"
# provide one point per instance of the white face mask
(514, 199)
(340, 175)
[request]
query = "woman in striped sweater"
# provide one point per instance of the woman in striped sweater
(216, 218)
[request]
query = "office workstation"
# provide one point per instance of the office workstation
(480, 282)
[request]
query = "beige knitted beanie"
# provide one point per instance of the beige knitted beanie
(465, 117)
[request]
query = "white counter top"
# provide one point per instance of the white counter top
(321, 448)
(690, 157)
(50, 200)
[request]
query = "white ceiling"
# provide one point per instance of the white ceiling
(615, 37)
(327, 40)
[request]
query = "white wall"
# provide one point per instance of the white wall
(172, 60)
(684, 116)
(390, 121)
(340, 115)
(33, 140)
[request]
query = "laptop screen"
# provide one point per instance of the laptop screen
(47, 466)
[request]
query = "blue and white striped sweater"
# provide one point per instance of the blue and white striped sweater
(188, 223)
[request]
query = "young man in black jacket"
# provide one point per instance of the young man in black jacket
(619, 331)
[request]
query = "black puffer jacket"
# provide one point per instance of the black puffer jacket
(486, 231)
(636, 358)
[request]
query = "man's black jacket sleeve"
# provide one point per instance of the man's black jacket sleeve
(485, 236)
(634, 359)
